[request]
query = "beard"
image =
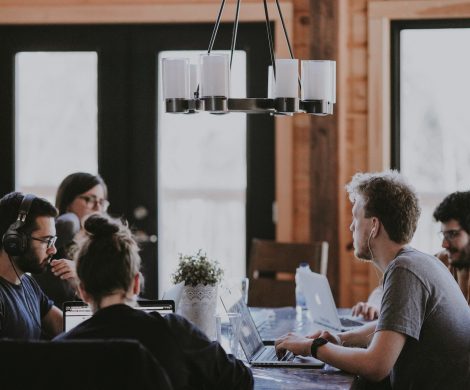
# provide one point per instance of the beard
(463, 259)
(363, 252)
(30, 262)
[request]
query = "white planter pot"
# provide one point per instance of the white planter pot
(198, 305)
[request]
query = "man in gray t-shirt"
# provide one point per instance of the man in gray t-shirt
(422, 337)
(422, 301)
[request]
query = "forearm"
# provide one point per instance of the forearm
(53, 322)
(359, 337)
(357, 361)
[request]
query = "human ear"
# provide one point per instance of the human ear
(136, 286)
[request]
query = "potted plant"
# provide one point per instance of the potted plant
(199, 297)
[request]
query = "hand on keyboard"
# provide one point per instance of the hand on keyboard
(294, 343)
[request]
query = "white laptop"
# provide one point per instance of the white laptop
(174, 294)
(75, 312)
(258, 354)
(321, 304)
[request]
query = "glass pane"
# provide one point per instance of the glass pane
(202, 182)
(434, 121)
(55, 118)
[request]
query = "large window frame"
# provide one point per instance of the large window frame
(381, 15)
(396, 27)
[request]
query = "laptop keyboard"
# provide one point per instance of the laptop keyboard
(269, 354)
(347, 322)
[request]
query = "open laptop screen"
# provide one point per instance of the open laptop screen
(76, 312)
(250, 339)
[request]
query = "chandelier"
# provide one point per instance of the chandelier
(190, 88)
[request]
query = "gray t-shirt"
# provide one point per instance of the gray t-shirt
(422, 301)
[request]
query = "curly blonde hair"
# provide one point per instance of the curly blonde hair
(388, 197)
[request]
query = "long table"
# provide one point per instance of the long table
(285, 320)
(302, 379)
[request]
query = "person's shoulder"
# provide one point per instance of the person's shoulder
(176, 321)
(29, 282)
(411, 258)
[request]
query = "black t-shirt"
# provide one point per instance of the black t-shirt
(190, 359)
(21, 309)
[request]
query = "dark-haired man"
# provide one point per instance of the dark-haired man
(422, 336)
(27, 232)
(454, 214)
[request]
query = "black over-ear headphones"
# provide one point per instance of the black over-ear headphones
(15, 243)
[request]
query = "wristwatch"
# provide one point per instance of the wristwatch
(318, 342)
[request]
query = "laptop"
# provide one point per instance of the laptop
(258, 354)
(75, 312)
(174, 294)
(321, 304)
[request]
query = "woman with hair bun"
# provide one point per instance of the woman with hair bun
(108, 265)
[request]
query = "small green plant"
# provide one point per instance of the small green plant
(197, 269)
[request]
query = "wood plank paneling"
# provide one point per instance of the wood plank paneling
(324, 173)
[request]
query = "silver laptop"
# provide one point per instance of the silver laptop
(321, 304)
(75, 312)
(258, 354)
(174, 294)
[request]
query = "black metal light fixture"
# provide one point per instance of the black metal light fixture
(189, 88)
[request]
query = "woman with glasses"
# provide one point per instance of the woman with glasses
(79, 195)
(108, 267)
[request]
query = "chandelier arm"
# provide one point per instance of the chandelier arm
(216, 28)
(234, 32)
(287, 36)
(285, 30)
(270, 38)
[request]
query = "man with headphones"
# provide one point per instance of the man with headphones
(27, 232)
(422, 337)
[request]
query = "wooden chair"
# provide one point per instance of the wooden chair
(272, 267)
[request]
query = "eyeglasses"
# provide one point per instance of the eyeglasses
(50, 241)
(449, 235)
(92, 201)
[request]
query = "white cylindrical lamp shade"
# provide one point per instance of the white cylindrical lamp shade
(175, 77)
(215, 75)
(193, 79)
(333, 81)
(271, 82)
(287, 78)
(317, 80)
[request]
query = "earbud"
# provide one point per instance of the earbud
(372, 231)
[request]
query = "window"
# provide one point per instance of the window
(432, 116)
(55, 118)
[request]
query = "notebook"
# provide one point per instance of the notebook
(75, 312)
(321, 304)
(258, 354)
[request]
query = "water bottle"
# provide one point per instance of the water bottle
(300, 302)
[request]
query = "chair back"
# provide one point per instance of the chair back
(80, 364)
(272, 267)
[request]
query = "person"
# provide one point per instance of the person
(454, 215)
(27, 232)
(108, 267)
(79, 195)
(369, 310)
(422, 337)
